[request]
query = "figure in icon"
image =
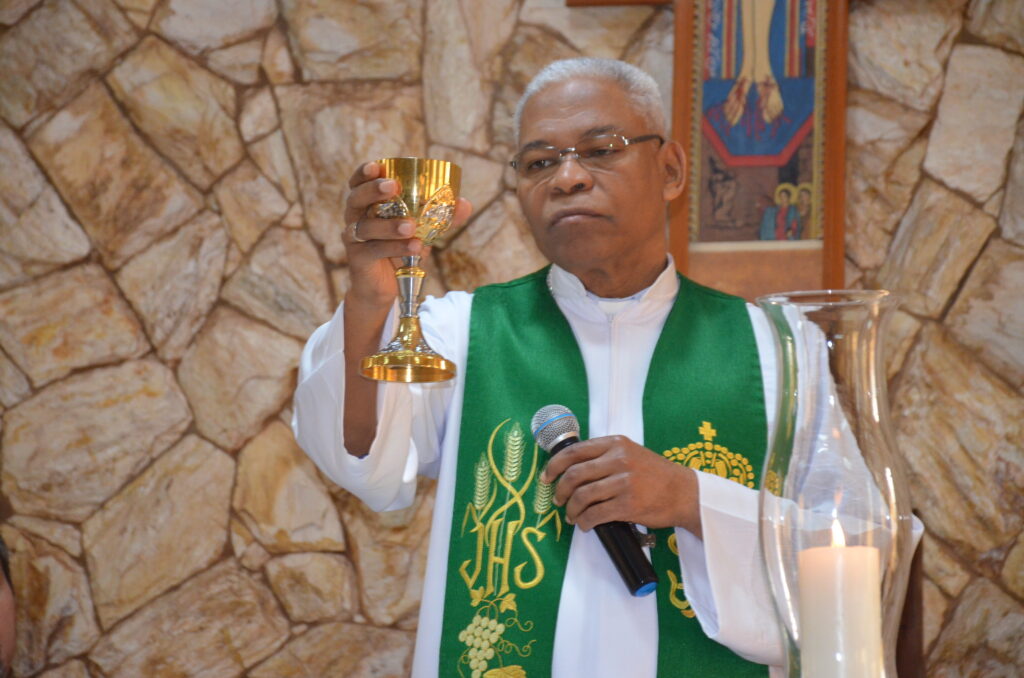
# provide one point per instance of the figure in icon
(756, 69)
(781, 221)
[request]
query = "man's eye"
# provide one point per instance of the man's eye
(538, 164)
(600, 152)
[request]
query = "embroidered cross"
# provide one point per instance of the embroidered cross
(707, 431)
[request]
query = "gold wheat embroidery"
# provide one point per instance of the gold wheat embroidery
(515, 443)
(482, 483)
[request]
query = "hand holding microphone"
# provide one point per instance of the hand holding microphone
(610, 480)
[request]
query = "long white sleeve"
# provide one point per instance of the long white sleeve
(410, 418)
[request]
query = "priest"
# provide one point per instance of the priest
(673, 384)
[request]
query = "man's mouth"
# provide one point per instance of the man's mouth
(572, 214)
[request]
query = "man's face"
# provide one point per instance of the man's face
(784, 199)
(586, 219)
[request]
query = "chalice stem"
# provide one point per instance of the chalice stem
(410, 285)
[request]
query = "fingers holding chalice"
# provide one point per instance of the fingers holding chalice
(424, 191)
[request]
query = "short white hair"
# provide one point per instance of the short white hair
(636, 83)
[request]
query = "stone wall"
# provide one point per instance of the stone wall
(173, 172)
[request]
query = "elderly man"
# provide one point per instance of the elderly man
(666, 377)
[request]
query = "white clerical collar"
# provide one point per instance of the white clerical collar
(570, 288)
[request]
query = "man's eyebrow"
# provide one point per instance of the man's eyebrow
(597, 131)
(539, 143)
(592, 132)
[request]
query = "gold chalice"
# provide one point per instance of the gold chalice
(429, 190)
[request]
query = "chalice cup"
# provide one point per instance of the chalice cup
(429, 190)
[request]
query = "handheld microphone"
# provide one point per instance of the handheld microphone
(555, 428)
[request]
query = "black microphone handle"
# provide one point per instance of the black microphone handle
(622, 546)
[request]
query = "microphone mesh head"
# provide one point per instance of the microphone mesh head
(551, 423)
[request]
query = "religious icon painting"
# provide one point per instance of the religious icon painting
(763, 128)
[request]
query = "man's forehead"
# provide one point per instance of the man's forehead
(578, 108)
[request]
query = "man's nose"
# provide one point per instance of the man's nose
(571, 176)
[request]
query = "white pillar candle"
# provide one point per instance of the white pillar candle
(840, 610)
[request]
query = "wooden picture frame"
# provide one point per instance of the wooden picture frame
(749, 267)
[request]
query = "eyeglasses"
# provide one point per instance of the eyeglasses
(596, 152)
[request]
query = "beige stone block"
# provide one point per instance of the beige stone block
(852, 275)
(12, 10)
(259, 115)
(342, 649)
(959, 429)
(340, 282)
(59, 534)
(237, 373)
(1011, 214)
(59, 622)
(988, 315)
(983, 637)
(137, 11)
(390, 554)
(73, 669)
(936, 241)
(481, 180)
(942, 568)
(496, 247)
(232, 623)
(530, 49)
(199, 25)
(71, 446)
(594, 31)
(1013, 569)
(240, 63)
(250, 203)
(967, 150)
(163, 527)
(653, 50)
(883, 167)
(315, 587)
(999, 22)
(899, 338)
(934, 606)
(174, 284)
(249, 552)
(908, 69)
(49, 57)
(233, 260)
(295, 217)
(277, 59)
(14, 386)
(187, 112)
(271, 156)
(333, 129)
(283, 283)
(377, 39)
(36, 232)
(123, 194)
(280, 498)
(450, 69)
(994, 204)
(66, 320)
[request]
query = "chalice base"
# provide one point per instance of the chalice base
(407, 358)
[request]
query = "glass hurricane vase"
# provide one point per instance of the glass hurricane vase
(836, 527)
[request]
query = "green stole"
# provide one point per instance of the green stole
(509, 543)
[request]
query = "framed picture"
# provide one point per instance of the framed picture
(760, 89)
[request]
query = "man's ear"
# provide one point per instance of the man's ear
(673, 158)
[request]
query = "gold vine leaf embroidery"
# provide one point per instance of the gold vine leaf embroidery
(476, 595)
(508, 603)
(514, 671)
